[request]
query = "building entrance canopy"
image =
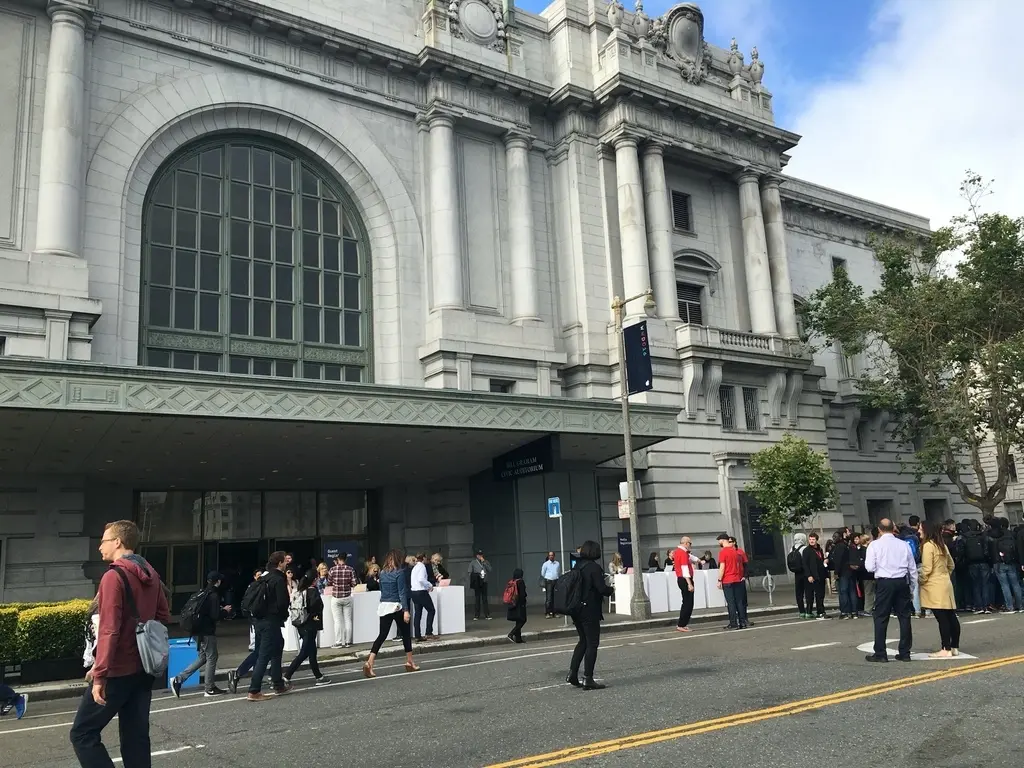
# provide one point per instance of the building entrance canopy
(155, 429)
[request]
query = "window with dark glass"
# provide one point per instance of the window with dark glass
(727, 404)
(689, 303)
(751, 409)
(682, 219)
(253, 264)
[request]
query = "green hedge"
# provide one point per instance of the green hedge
(8, 634)
(52, 631)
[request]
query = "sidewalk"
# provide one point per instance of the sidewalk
(233, 639)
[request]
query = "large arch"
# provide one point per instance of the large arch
(162, 120)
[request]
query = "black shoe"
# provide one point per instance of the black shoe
(590, 684)
(872, 657)
(573, 680)
(176, 688)
(233, 681)
(730, 626)
(903, 658)
(744, 625)
(215, 691)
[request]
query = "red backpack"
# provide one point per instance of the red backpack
(511, 594)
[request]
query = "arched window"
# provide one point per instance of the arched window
(253, 262)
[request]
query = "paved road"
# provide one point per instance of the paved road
(724, 699)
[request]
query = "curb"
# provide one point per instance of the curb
(57, 691)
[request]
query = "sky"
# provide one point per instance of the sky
(895, 100)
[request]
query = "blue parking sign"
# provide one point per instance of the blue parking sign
(554, 507)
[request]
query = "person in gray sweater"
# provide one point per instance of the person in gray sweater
(479, 574)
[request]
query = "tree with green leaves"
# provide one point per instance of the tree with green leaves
(943, 337)
(792, 483)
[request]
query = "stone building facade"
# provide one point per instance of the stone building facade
(340, 257)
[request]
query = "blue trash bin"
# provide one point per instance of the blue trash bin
(183, 651)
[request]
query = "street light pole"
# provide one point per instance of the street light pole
(639, 604)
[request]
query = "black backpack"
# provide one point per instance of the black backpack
(568, 598)
(795, 561)
(256, 600)
(1007, 548)
(194, 618)
(974, 548)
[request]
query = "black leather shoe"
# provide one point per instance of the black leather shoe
(903, 658)
(573, 680)
(872, 657)
(730, 626)
(590, 684)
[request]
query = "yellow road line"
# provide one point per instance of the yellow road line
(572, 754)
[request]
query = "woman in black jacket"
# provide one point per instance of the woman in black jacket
(517, 612)
(587, 619)
(309, 628)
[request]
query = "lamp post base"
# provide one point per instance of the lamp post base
(640, 607)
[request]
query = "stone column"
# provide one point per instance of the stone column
(58, 220)
(636, 271)
(445, 246)
(520, 219)
(659, 231)
(755, 256)
(778, 259)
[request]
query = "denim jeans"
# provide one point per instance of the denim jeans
(127, 697)
(270, 641)
(917, 597)
(207, 658)
(847, 594)
(422, 602)
(979, 581)
(1009, 581)
(736, 601)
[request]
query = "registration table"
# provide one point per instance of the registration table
(450, 619)
(663, 592)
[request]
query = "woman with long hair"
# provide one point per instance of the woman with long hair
(587, 619)
(615, 567)
(935, 579)
(653, 564)
(308, 596)
(394, 607)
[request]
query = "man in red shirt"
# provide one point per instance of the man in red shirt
(683, 563)
(120, 686)
(732, 572)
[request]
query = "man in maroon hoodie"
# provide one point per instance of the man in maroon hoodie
(119, 684)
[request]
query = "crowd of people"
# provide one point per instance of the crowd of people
(895, 570)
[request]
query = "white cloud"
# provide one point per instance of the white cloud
(939, 93)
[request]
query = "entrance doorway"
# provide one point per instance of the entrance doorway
(764, 548)
(302, 551)
(936, 510)
(179, 566)
(878, 509)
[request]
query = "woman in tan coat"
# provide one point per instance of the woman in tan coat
(937, 588)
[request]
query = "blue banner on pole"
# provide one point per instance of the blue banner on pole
(639, 375)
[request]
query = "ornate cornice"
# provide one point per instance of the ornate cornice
(43, 385)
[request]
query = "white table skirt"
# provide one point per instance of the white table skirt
(450, 619)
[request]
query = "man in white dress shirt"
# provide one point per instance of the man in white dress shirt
(892, 562)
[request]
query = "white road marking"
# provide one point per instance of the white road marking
(979, 621)
(162, 752)
(869, 647)
(695, 635)
(816, 645)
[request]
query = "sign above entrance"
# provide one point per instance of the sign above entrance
(554, 507)
(530, 459)
(639, 373)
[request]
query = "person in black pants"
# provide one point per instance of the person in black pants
(817, 575)
(799, 577)
(587, 619)
(308, 629)
(269, 639)
(892, 562)
(517, 611)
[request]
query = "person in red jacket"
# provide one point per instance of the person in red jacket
(684, 562)
(120, 686)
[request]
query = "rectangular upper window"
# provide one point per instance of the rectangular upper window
(682, 219)
(838, 264)
(728, 406)
(502, 387)
(690, 310)
(751, 409)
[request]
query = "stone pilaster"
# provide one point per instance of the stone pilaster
(659, 231)
(778, 260)
(445, 246)
(525, 300)
(636, 271)
(755, 256)
(58, 221)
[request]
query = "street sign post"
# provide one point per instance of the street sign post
(555, 511)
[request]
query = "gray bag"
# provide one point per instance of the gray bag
(150, 636)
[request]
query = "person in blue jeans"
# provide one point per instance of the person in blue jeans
(12, 701)
(1006, 561)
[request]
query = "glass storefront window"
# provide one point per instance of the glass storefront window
(289, 514)
(232, 515)
(169, 516)
(342, 513)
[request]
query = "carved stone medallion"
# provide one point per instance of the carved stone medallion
(679, 36)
